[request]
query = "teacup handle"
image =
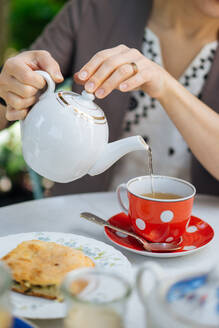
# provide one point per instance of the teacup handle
(50, 84)
(118, 192)
(156, 273)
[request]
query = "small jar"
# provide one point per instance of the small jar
(95, 299)
(5, 306)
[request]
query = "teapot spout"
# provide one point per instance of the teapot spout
(115, 150)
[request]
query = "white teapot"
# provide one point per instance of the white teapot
(65, 136)
(182, 301)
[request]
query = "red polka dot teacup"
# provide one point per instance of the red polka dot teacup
(158, 220)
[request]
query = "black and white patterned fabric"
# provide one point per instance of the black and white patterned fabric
(146, 117)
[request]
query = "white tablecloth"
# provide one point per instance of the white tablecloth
(62, 214)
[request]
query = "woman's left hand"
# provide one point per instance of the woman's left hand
(124, 69)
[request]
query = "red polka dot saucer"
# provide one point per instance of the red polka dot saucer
(197, 236)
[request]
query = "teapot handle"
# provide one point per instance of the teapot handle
(155, 272)
(50, 84)
(118, 192)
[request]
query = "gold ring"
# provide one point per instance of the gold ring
(135, 68)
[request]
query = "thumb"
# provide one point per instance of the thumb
(47, 63)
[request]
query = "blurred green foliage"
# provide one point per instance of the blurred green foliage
(11, 159)
(28, 18)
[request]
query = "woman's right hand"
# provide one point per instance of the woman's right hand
(19, 83)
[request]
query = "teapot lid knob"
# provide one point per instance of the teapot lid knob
(88, 96)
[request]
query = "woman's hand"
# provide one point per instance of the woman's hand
(113, 69)
(19, 83)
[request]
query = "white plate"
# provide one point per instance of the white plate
(104, 256)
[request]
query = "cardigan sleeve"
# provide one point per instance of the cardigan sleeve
(58, 38)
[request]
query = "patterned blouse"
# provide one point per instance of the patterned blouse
(146, 117)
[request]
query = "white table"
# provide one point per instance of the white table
(62, 214)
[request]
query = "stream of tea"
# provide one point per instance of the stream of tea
(154, 194)
(150, 165)
(150, 168)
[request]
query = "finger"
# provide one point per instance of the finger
(109, 66)
(120, 75)
(14, 115)
(24, 74)
(136, 81)
(47, 63)
(91, 67)
(18, 102)
(20, 89)
(78, 80)
(133, 83)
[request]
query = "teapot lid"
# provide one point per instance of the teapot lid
(196, 299)
(82, 104)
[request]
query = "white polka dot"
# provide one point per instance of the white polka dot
(202, 226)
(188, 248)
(140, 224)
(120, 234)
(166, 216)
(169, 239)
(192, 229)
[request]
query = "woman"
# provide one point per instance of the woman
(139, 37)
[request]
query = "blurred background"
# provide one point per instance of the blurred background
(21, 21)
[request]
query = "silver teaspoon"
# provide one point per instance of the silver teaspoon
(148, 246)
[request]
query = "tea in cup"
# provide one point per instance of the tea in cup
(161, 215)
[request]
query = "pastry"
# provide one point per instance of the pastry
(38, 267)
